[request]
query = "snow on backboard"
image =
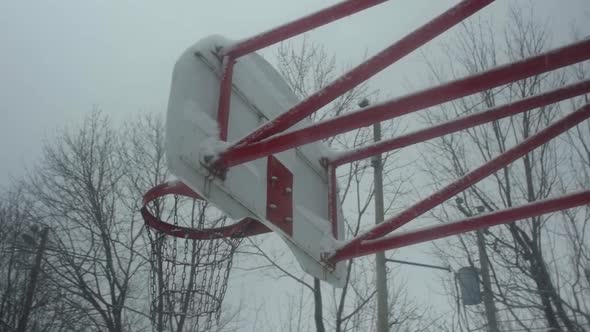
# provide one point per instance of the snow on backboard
(259, 93)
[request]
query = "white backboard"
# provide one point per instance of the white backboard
(259, 93)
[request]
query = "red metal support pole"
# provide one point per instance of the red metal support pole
(333, 200)
(539, 64)
(464, 122)
(466, 181)
(299, 26)
(555, 59)
(545, 62)
(224, 96)
(466, 225)
(367, 69)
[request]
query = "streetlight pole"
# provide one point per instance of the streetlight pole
(488, 295)
(380, 269)
(22, 323)
(429, 266)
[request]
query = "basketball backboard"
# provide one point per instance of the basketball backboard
(288, 192)
(259, 158)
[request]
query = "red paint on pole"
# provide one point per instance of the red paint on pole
(539, 64)
(333, 200)
(555, 59)
(367, 69)
(468, 180)
(299, 26)
(225, 96)
(464, 122)
(466, 225)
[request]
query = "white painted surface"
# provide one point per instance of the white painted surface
(259, 94)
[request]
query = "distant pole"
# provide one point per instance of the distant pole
(22, 323)
(380, 269)
(488, 294)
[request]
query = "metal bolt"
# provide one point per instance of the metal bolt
(364, 103)
(273, 206)
(288, 190)
(289, 219)
(274, 178)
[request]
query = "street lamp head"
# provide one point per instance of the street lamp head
(364, 103)
(29, 240)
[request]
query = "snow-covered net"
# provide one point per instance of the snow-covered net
(188, 277)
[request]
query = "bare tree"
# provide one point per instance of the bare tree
(77, 191)
(13, 218)
(308, 67)
(528, 259)
(27, 298)
(96, 265)
(184, 292)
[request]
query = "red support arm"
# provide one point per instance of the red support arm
(333, 200)
(545, 62)
(299, 26)
(464, 122)
(466, 225)
(367, 69)
(224, 96)
(466, 181)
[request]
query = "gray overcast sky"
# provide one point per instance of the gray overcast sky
(59, 58)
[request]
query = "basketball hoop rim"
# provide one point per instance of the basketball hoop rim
(243, 228)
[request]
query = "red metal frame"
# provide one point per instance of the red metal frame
(299, 26)
(270, 138)
(402, 106)
(464, 122)
(333, 199)
(466, 225)
(230, 54)
(224, 96)
(367, 69)
(465, 182)
(244, 228)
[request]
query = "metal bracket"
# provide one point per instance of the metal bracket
(279, 195)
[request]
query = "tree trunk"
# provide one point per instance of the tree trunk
(22, 323)
(318, 315)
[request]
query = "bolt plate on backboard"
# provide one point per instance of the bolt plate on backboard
(279, 195)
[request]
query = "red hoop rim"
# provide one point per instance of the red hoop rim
(243, 228)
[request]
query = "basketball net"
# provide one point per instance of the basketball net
(188, 277)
